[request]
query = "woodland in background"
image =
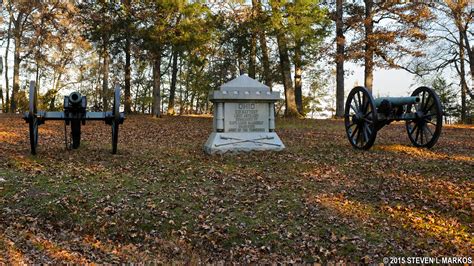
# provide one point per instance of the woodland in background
(167, 55)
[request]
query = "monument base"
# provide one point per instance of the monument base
(221, 142)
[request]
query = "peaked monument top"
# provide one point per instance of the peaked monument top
(244, 82)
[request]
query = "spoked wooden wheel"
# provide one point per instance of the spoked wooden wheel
(360, 118)
(115, 119)
(425, 129)
(32, 118)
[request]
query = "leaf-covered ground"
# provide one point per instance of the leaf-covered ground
(162, 199)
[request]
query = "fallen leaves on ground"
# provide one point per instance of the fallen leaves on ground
(161, 199)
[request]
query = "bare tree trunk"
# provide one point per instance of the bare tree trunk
(7, 86)
(183, 98)
(127, 50)
(253, 40)
(105, 79)
(196, 111)
(162, 107)
(1, 88)
(462, 74)
(156, 104)
(191, 103)
(253, 55)
(298, 80)
(128, 99)
(143, 104)
(340, 42)
(267, 77)
(470, 55)
(188, 106)
(174, 73)
(369, 50)
(37, 76)
(55, 90)
(240, 61)
(285, 67)
(16, 61)
(135, 100)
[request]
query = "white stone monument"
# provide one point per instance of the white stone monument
(244, 118)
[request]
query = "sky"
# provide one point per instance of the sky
(391, 82)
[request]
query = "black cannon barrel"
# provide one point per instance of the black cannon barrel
(397, 101)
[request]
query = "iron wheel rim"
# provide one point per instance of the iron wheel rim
(425, 129)
(33, 134)
(360, 118)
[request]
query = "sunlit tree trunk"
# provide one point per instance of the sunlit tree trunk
(240, 60)
(16, 61)
(369, 50)
(298, 80)
(55, 91)
(143, 102)
(37, 75)
(285, 67)
(267, 76)
(470, 55)
(191, 103)
(7, 81)
(105, 79)
(183, 98)
(253, 42)
(196, 111)
(1, 88)
(340, 41)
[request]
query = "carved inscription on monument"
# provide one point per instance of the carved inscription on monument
(246, 117)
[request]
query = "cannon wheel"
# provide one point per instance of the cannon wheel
(32, 118)
(360, 118)
(116, 119)
(425, 129)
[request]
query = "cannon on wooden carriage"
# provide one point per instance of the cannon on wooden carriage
(75, 115)
(365, 116)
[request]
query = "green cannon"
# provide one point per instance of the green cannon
(365, 116)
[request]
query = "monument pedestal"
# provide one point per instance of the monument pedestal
(220, 142)
(244, 118)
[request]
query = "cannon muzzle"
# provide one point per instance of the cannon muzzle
(75, 98)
